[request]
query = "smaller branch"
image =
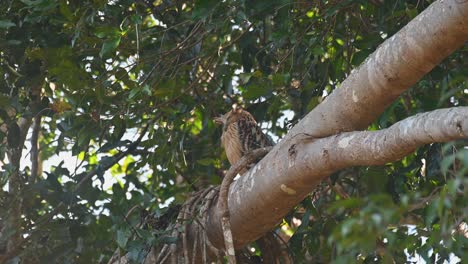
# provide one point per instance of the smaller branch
(387, 145)
(291, 170)
(222, 48)
(423, 201)
(36, 126)
(14, 243)
(141, 152)
(223, 198)
(188, 180)
(137, 37)
(338, 189)
(15, 72)
(189, 228)
(116, 158)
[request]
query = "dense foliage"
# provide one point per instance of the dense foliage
(129, 90)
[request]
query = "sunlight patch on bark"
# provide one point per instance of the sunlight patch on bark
(344, 142)
(287, 190)
(355, 98)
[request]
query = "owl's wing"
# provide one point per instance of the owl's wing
(251, 136)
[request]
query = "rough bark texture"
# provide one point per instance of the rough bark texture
(383, 146)
(222, 204)
(284, 177)
(35, 162)
(397, 64)
(298, 167)
(14, 186)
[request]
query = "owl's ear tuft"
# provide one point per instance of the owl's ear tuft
(236, 109)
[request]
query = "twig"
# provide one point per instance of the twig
(423, 201)
(137, 36)
(223, 198)
(338, 189)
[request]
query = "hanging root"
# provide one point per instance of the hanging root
(243, 163)
(192, 245)
(191, 220)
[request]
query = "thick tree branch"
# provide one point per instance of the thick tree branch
(387, 145)
(286, 175)
(297, 168)
(396, 65)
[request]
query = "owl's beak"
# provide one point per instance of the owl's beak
(219, 120)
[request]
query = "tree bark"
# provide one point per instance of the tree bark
(15, 185)
(274, 188)
(259, 199)
(395, 66)
(35, 159)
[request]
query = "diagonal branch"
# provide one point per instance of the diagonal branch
(116, 158)
(278, 186)
(35, 170)
(391, 144)
(396, 65)
(246, 160)
(281, 180)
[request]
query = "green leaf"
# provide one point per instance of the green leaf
(310, 13)
(65, 10)
(446, 163)
(122, 237)
(203, 8)
(314, 101)
(109, 46)
(13, 42)
(103, 32)
(136, 251)
(244, 77)
(375, 178)
(134, 92)
(339, 206)
(359, 57)
(205, 162)
(6, 24)
(340, 42)
(280, 80)
(254, 91)
(411, 12)
(29, 2)
(166, 88)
